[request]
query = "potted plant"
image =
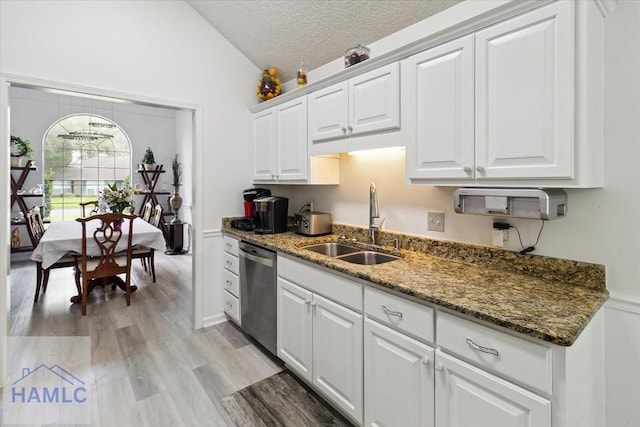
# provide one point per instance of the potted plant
(19, 148)
(175, 201)
(148, 161)
(176, 167)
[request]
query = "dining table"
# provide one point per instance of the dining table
(64, 237)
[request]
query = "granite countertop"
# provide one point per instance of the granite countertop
(542, 307)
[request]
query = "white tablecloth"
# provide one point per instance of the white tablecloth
(62, 237)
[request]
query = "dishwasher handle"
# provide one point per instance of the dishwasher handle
(267, 262)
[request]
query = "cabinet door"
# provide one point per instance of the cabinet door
(374, 100)
(439, 111)
(329, 112)
(398, 379)
(264, 145)
(295, 327)
(524, 96)
(337, 355)
(469, 397)
(292, 140)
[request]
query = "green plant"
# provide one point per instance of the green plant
(148, 157)
(177, 168)
(20, 147)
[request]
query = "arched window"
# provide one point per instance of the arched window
(82, 154)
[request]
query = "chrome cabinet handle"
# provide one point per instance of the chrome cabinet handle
(229, 305)
(228, 262)
(350, 128)
(482, 349)
(307, 302)
(426, 361)
(344, 130)
(228, 282)
(391, 312)
(480, 169)
(228, 245)
(439, 366)
(467, 169)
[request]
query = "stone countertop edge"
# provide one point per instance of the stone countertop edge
(545, 308)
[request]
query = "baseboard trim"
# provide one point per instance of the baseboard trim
(623, 303)
(213, 320)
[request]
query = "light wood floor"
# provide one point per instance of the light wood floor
(151, 368)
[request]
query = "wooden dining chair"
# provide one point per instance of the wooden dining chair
(157, 216)
(146, 213)
(147, 254)
(35, 229)
(93, 204)
(103, 229)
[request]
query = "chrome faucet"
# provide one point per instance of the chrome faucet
(373, 214)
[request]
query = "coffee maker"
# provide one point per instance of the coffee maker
(272, 214)
(250, 220)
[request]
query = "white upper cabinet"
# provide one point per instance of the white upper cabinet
(281, 150)
(329, 112)
(374, 100)
(498, 107)
(291, 132)
(439, 122)
(264, 143)
(362, 105)
(524, 96)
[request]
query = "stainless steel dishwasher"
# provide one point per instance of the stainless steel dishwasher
(258, 294)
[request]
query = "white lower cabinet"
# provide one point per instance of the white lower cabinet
(467, 396)
(322, 342)
(231, 277)
(337, 354)
(398, 377)
(409, 365)
(295, 328)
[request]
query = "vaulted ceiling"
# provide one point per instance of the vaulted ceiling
(282, 33)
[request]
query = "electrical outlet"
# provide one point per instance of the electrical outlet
(435, 221)
(498, 237)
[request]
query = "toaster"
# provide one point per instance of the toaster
(313, 223)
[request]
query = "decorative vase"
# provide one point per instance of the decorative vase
(149, 166)
(16, 162)
(176, 203)
(355, 55)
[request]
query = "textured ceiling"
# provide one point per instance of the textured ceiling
(282, 33)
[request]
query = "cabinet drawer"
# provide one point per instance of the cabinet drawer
(231, 306)
(231, 245)
(408, 316)
(231, 263)
(231, 283)
(512, 357)
(337, 288)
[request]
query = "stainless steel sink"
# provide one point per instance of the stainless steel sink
(332, 249)
(368, 258)
(350, 254)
